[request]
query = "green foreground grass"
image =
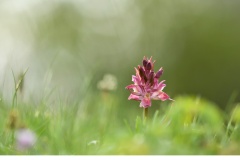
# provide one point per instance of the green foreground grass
(97, 125)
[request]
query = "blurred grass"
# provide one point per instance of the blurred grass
(189, 125)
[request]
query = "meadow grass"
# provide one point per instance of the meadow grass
(101, 127)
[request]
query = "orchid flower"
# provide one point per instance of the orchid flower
(146, 86)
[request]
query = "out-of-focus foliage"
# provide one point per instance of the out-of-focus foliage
(186, 126)
(197, 41)
(63, 42)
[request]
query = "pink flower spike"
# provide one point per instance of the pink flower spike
(146, 86)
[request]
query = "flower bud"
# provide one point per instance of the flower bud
(144, 63)
(149, 66)
(142, 73)
(159, 73)
(151, 78)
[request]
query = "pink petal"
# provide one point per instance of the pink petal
(134, 97)
(154, 95)
(131, 86)
(137, 72)
(161, 85)
(155, 82)
(145, 102)
(163, 96)
(136, 80)
(138, 89)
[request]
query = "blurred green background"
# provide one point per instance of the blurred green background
(69, 44)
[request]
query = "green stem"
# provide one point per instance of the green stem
(145, 114)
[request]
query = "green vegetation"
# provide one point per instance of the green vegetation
(99, 124)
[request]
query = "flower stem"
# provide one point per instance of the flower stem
(145, 114)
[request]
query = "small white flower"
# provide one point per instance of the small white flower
(25, 139)
(108, 83)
